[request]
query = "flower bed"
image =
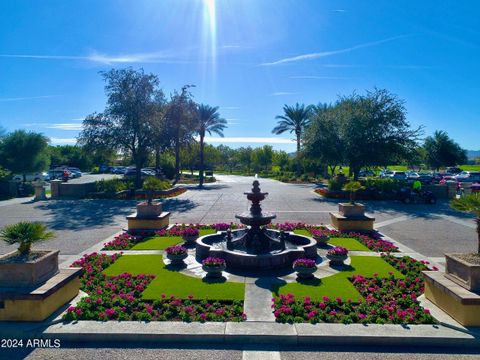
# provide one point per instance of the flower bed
(386, 300)
(122, 242)
(119, 298)
(288, 226)
(372, 240)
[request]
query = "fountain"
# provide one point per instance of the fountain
(256, 247)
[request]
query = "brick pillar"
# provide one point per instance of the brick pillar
(55, 189)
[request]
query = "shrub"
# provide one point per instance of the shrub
(335, 185)
(5, 175)
(112, 185)
(153, 184)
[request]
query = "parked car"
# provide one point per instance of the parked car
(366, 173)
(386, 173)
(453, 170)
(436, 176)
(398, 175)
(57, 173)
(449, 178)
(425, 178)
(119, 170)
(412, 175)
(76, 173)
(131, 173)
(468, 176)
(32, 177)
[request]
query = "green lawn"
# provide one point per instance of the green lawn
(162, 242)
(338, 285)
(170, 282)
(348, 243)
(303, 232)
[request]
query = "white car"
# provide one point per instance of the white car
(32, 177)
(398, 175)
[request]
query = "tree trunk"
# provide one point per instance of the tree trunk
(200, 173)
(298, 154)
(177, 161)
(478, 233)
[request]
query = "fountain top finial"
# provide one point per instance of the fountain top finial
(256, 186)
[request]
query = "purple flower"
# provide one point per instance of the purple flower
(305, 263)
(338, 250)
(213, 261)
(176, 250)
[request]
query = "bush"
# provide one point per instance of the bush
(383, 185)
(335, 185)
(154, 184)
(5, 175)
(112, 185)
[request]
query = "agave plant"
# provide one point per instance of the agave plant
(25, 233)
(469, 204)
(353, 187)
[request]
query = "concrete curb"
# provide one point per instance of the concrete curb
(249, 333)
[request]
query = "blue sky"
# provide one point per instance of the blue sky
(247, 57)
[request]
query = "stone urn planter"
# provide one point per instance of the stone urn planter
(38, 268)
(190, 235)
(176, 254)
(214, 267)
(337, 255)
(305, 268)
(351, 210)
(214, 272)
(462, 272)
(320, 237)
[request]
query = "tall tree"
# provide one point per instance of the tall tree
(245, 157)
(294, 120)
(179, 121)
(322, 140)
(23, 152)
(374, 129)
(441, 150)
(263, 157)
(208, 121)
(127, 122)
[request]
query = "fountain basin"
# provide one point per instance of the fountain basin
(297, 246)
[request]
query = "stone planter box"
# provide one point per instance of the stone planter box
(28, 274)
(337, 259)
(304, 273)
(213, 272)
(190, 239)
(146, 211)
(463, 273)
(351, 210)
(177, 259)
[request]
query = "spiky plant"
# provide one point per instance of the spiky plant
(353, 187)
(25, 233)
(469, 204)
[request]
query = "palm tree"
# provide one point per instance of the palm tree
(469, 204)
(208, 120)
(295, 120)
(25, 233)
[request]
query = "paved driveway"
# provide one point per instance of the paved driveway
(79, 224)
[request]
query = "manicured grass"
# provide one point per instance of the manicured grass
(162, 242)
(349, 244)
(338, 285)
(174, 283)
(303, 232)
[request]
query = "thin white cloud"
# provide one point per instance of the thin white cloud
(313, 77)
(27, 98)
(63, 141)
(282, 93)
(66, 126)
(261, 140)
(318, 55)
(339, 10)
(152, 57)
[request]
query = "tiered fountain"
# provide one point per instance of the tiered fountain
(256, 247)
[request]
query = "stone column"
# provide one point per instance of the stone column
(55, 188)
(451, 189)
(39, 187)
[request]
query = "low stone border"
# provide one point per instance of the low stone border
(248, 333)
